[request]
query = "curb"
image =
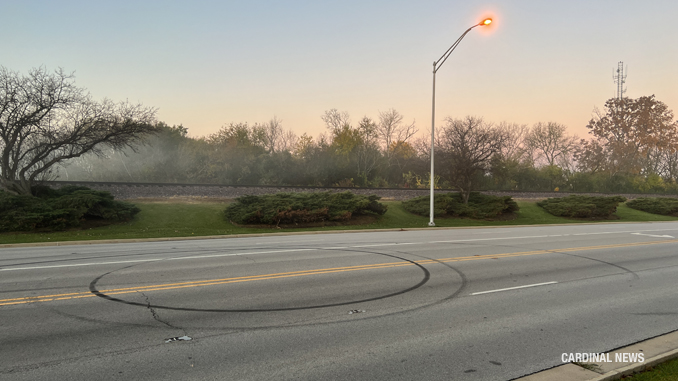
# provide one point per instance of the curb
(637, 368)
(661, 349)
(226, 236)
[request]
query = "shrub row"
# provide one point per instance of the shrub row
(575, 206)
(52, 209)
(658, 205)
(289, 208)
(479, 205)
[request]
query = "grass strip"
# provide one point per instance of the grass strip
(172, 219)
(667, 371)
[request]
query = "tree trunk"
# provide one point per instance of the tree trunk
(18, 187)
(465, 192)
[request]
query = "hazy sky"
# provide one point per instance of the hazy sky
(204, 64)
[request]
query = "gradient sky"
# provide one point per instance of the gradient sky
(205, 64)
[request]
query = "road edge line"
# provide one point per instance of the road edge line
(280, 234)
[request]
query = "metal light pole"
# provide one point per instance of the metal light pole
(436, 66)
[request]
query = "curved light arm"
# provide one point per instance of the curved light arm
(443, 58)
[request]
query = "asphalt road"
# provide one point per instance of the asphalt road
(452, 304)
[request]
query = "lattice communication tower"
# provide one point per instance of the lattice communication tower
(620, 79)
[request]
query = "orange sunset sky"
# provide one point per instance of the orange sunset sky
(205, 64)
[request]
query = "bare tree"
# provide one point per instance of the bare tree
(367, 151)
(275, 139)
(550, 141)
(515, 147)
(391, 129)
(335, 120)
(270, 132)
(669, 169)
(288, 140)
(45, 119)
(468, 146)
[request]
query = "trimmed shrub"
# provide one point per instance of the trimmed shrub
(480, 206)
(291, 208)
(575, 206)
(665, 206)
(58, 209)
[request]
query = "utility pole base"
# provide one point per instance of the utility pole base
(431, 223)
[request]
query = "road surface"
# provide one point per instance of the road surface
(434, 304)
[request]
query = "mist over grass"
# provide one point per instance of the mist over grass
(387, 152)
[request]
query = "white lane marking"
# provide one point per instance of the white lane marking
(489, 239)
(297, 250)
(378, 244)
(627, 231)
(655, 235)
(80, 264)
(513, 288)
(235, 254)
(152, 260)
(548, 236)
(285, 242)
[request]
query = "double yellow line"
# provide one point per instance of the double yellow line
(212, 282)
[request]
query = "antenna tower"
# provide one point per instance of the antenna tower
(620, 80)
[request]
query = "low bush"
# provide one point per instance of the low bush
(575, 206)
(292, 208)
(58, 209)
(665, 206)
(480, 206)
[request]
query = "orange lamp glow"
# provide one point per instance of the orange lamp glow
(486, 22)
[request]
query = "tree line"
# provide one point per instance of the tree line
(50, 129)
(633, 148)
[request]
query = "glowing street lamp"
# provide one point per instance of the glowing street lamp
(436, 66)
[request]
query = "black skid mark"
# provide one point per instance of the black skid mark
(635, 276)
(425, 279)
(232, 330)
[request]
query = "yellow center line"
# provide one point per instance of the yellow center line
(213, 282)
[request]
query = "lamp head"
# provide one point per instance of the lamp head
(487, 21)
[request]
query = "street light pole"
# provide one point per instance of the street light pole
(436, 66)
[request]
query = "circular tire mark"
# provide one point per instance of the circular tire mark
(427, 276)
(462, 276)
(635, 276)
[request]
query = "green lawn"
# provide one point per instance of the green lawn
(165, 219)
(667, 371)
(629, 214)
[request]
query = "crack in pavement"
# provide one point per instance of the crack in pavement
(247, 257)
(157, 317)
